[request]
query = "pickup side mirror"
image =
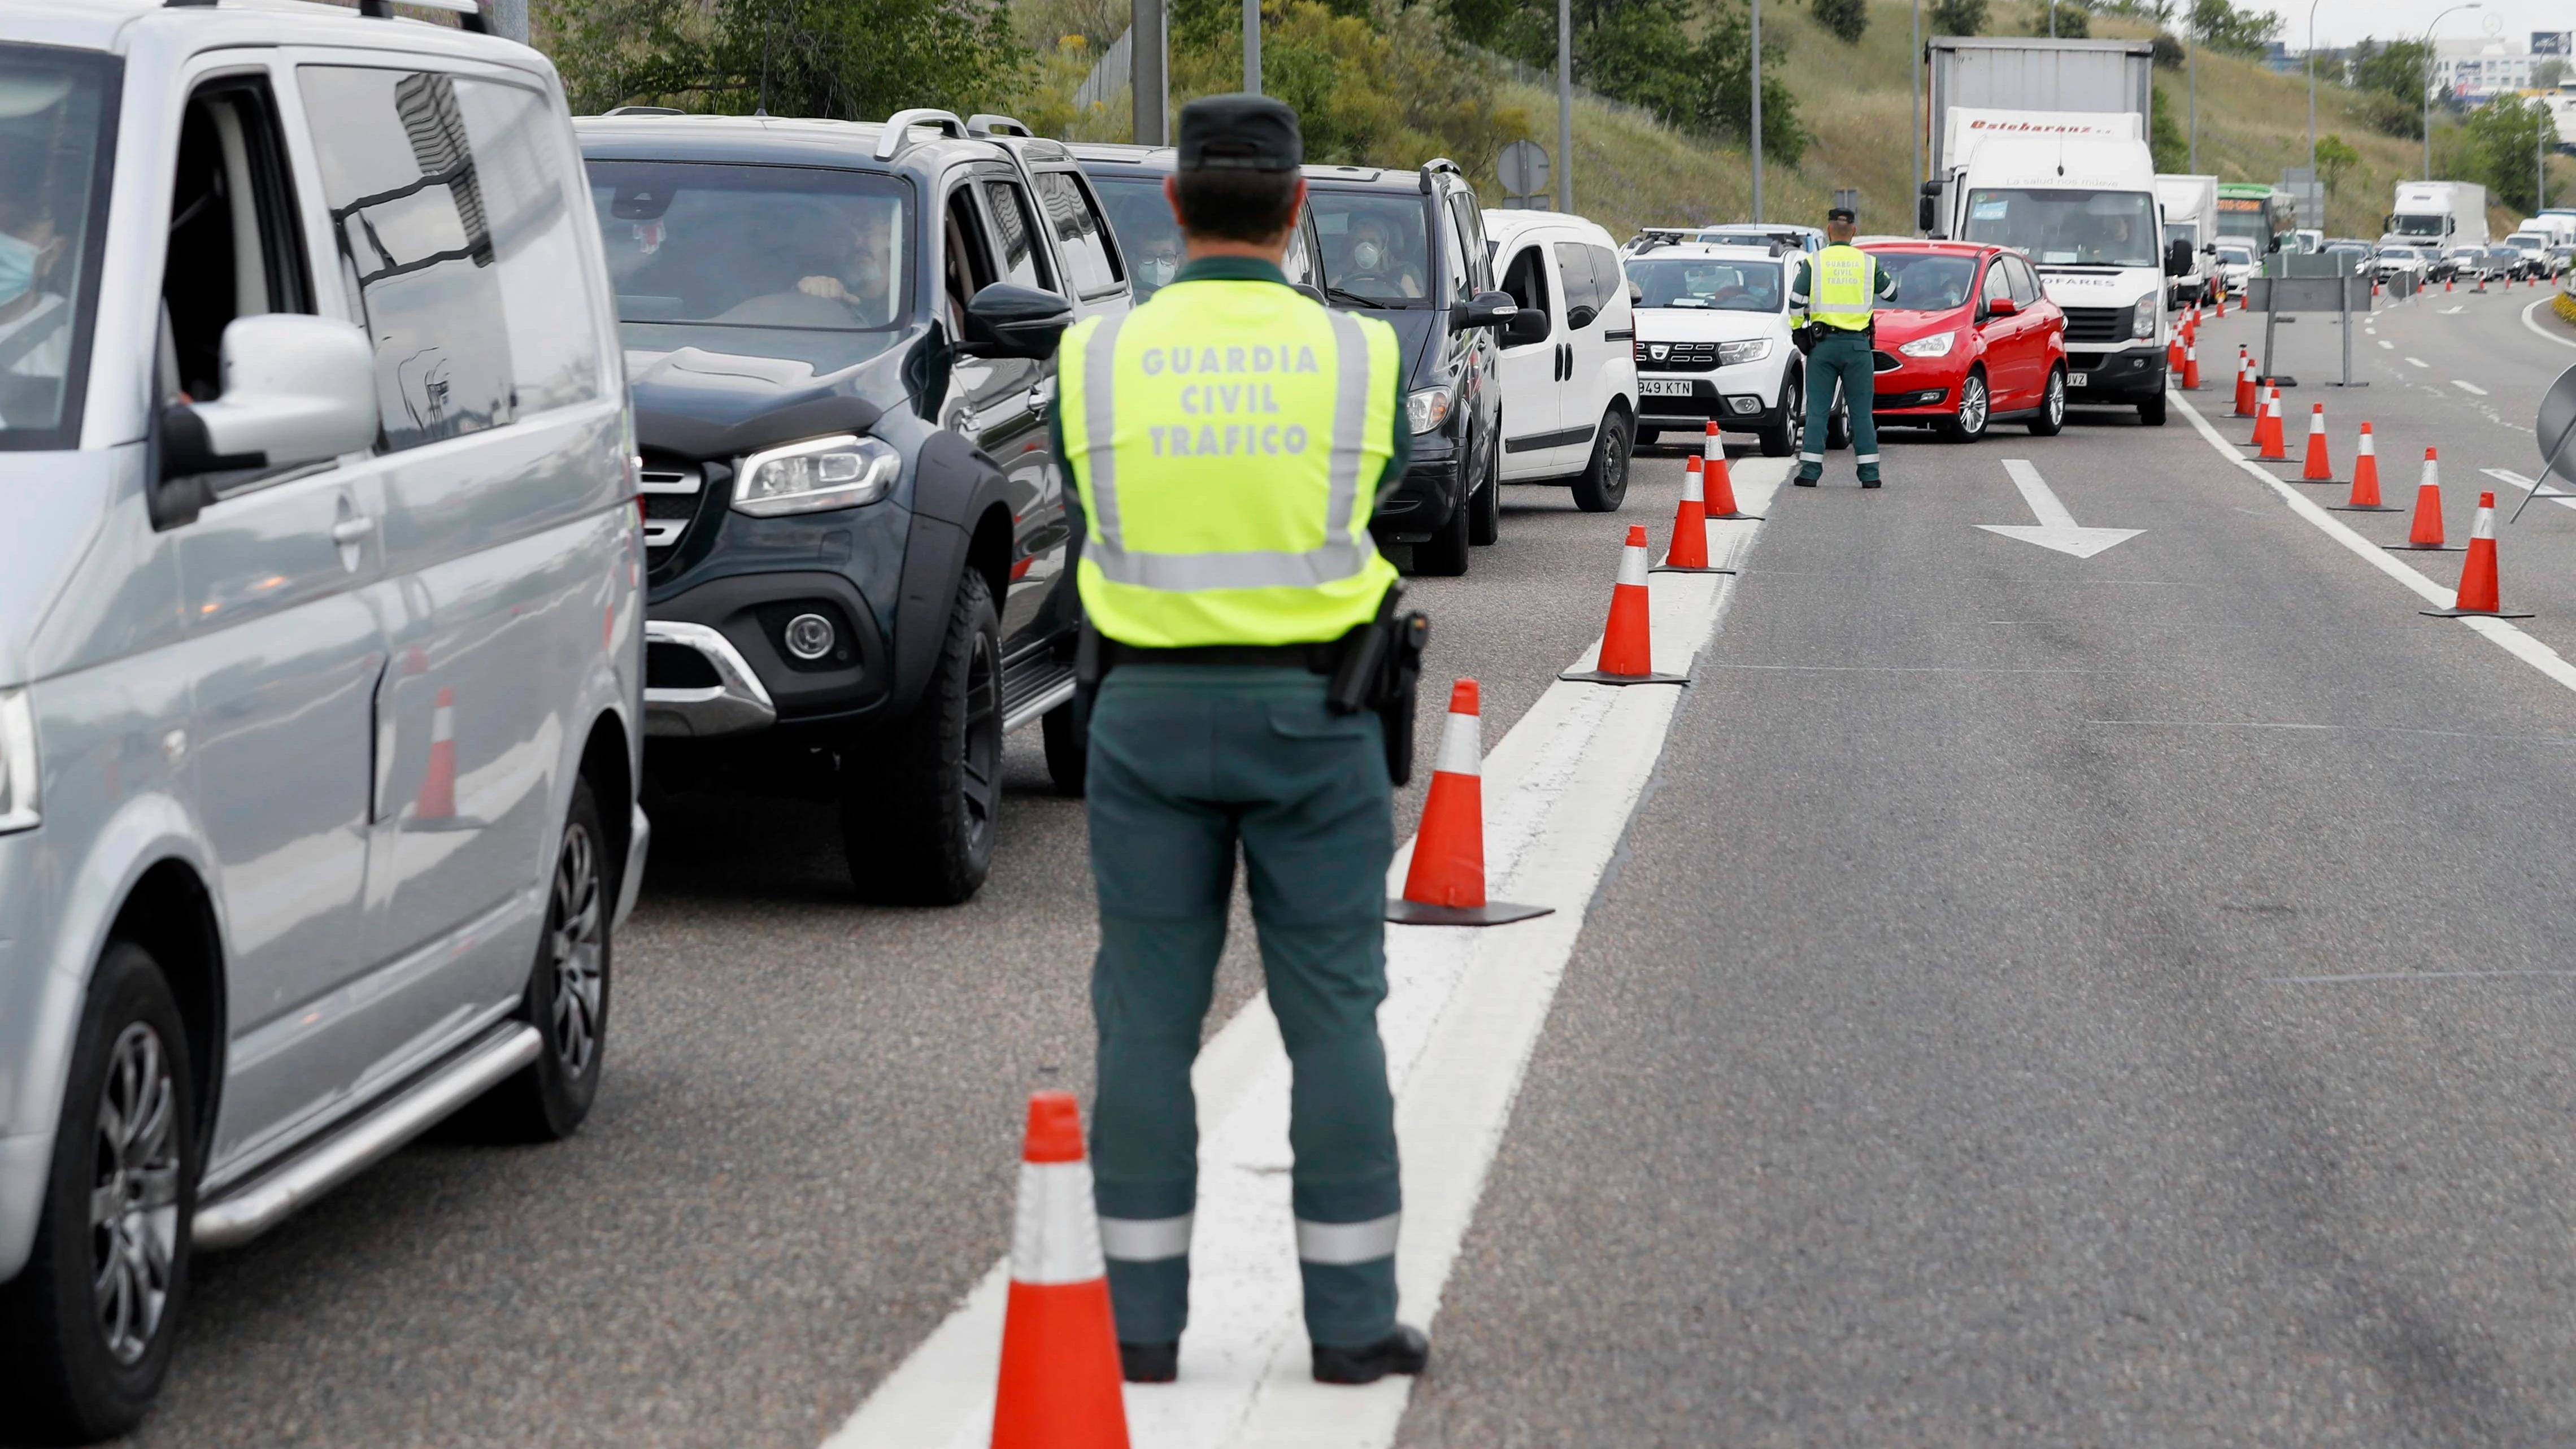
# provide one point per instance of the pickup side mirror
(297, 389)
(2002, 307)
(1485, 309)
(1528, 325)
(1004, 320)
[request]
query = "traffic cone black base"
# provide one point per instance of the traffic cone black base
(2424, 547)
(1665, 568)
(1402, 912)
(2358, 507)
(2475, 613)
(1595, 676)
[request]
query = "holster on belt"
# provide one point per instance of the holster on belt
(1380, 670)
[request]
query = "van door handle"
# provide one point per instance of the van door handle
(350, 530)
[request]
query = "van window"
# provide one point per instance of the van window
(1526, 280)
(525, 162)
(235, 249)
(1024, 262)
(1080, 235)
(1582, 289)
(1607, 274)
(57, 146)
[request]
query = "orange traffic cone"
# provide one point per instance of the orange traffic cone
(2365, 480)
(2191, 367)
(2246, 403)
(2446, 284)
(438, 792)
(1445, 886)
(1628, 643)
(2477, 596)
(1059, 1385)
(2426, 534)
(1688, 552)
(2268, 442)
(1718, 502)
(2316, 468)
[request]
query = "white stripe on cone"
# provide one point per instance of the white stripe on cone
(2369, 449)
(2317, 421)
(1462, 746)
(1711, 445)
(1055, 1238)
(1691, 489)
(2483, 527)
(1632, 565)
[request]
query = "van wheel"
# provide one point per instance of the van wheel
(86, 1327)
(1485, 509)
(567, 994)
(1782, 438)
(2051, 418)
(2151, 410)
(1067, 730)
(920, 804)
(1603, 484)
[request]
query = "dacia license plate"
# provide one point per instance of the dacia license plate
(1663, 387)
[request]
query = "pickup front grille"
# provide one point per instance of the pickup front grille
(2098, 324)
(1677, 356)
(670, 490)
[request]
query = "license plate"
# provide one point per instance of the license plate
(2076, 379)
(1663, 387)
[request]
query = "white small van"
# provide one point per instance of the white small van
(1569, 366)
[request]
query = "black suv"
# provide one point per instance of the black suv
(840, 349)
(1427, 275)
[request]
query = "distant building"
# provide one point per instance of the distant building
(2475, 70)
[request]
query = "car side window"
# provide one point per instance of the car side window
(968, 268)
(235, 249)
(1015, 227)
(1471, 228)
(1526, 280)
(1582, 289)
(2025, 287)
(1456, 259)
(1081, 237)
(415, 230)
(1298, 265)
(1998, 282)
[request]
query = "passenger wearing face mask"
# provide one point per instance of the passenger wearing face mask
(34, 343)
(1159, 263)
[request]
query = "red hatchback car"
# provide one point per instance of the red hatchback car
(1970, 341)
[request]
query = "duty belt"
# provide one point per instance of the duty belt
(1318, 658)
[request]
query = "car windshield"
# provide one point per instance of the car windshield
(1715, 284)
(1929, 281)
(1376, 247)
(2236, 256)
(772, 261)
(1147, 233)
(53, 123)
(2067, 228)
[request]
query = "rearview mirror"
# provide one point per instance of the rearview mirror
(1485, 309)
(1004, 320)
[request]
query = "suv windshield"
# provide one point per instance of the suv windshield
(1142, 218)
(1716, 283)
(54, 148)
(1377, 248)
(774, 261)
(1928, 282)
(2067, 228)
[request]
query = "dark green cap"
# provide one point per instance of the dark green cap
(1841, 213)
(1240, 133)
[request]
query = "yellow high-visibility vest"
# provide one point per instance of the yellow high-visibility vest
(1227, 440)
(1839, 291)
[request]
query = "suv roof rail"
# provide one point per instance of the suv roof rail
(985, 123)
(468, 13)
(898, 128)
(1439, 163)
(643, 111)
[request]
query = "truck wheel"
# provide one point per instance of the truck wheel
(1603, 484)
(1444, 556)
(1782, 438)
(1067, 730)
(2151, 410)
(567, 993)
(86, 1326)
(1485, 510)
(919, 806)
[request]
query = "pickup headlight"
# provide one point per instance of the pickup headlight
(1426, 410)
(1752, 349)
(1936, 345)
(2143, 324)
(815, 476)
(17, 762)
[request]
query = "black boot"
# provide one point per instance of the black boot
(1805, 480)
(1404, 1351)
(1149, 1363)
(1869, 482)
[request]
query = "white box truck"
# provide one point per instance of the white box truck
(2438, 214)
(2191, 220)
(2041, 146)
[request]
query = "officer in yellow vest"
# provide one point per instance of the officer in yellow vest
(1833, 292)
(1226, 441)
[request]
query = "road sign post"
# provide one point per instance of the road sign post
(1524, 170)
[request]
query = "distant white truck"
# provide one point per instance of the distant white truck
(2443, 214)
(2191, 222)
(2558, 226)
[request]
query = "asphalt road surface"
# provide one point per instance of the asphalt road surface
(2038, 999)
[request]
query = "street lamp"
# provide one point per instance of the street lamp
(1757, 110)
(2428, 82)
(2312, 92)
(1914, 64)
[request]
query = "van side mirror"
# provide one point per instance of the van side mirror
(297, 389)
(1528, 325)
(1006, 320)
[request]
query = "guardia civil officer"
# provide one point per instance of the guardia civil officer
(1226, 441)
(1835, 290)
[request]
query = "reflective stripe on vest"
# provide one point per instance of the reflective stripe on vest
(1197, 417)
(1841, 288)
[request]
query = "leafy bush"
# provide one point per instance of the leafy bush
(1846, 20)
(1957, 17)
(2074, 22)
(843, 59)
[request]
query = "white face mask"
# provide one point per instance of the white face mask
(17, 267)
(1367, 255)
(1160, 270)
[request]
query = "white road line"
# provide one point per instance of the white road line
(2405, 976)
(1559, 789)
(2539, 331)
(2508, 476)
(2470, 388)
(2387, 345)
(2057, 528)
(2499, 632)
(2417, 362)
(2452, 311)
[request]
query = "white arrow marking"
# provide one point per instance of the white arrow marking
(2057, 528)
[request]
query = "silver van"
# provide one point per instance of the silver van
(320, 639)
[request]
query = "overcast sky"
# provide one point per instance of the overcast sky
(2341, 22)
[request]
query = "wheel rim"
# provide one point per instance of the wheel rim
(2056, 399)
(983, 752)
(1972, 405)
(1793, 407)
(134, 1194)
(1614, 464)
(576, 947)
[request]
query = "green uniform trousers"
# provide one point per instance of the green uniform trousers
(1841, 357)
(1187, 763)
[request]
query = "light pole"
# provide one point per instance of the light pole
(1757, 110)
(2312, 90)
(1252, 47)
(1914, 59)
(2428, 82)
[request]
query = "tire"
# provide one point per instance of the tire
(567, 993)
(1444, 556)
(1645, 439)
(1603, 484)
(2052, 406)
(79, 1370)
(1485, 506)
(1067, 730)
(1838, 428)
(1781, 439)
(921, 804)
(1976, 410)
(2151, 410)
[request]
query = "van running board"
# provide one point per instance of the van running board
(1034, 688)
(244, 1212)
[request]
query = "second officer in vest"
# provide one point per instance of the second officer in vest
(1227, 440)
(1836, 289)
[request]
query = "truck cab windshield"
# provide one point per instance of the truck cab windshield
(2067, 228)
(2427, 224)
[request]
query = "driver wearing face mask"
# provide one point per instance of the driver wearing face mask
(1375, 267)
(865, 281)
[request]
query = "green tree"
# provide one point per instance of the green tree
(1957, 17)
(842, 59)
(2222, 26)
(2165, 135)
(1724, 62)
(2502, 142)
(2074, 22)
(2335, 159)
(2393, 68)
(1846, 20)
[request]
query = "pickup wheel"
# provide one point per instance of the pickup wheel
(87, 1325)
(1485, 510)
(919, 807)
(567, 993)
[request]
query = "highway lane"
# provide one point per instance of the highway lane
(2055, 1001)
(807, 1142)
